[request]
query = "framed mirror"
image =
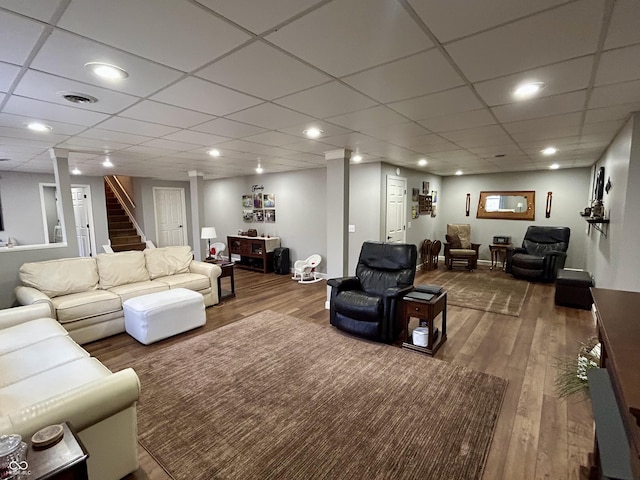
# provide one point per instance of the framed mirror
(507, 205)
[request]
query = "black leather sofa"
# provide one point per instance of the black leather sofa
(367, 303)
(543, 253)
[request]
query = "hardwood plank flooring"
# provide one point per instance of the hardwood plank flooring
(538, 435)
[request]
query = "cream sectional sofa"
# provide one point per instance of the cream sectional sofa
(85, 294)
(46, 378)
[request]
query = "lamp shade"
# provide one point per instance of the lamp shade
(208, 233)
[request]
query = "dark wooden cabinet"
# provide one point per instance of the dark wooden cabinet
(255, 253)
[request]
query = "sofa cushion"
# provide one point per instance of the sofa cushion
(454, 240)
(191, 281)
(61, 277)
(125, 292)
(462, 252)
(357, 304)
(87, 304)
(121, 268)
(50, 383)
(463, 231)
(162, 262)
(19, 336)
(38, 357)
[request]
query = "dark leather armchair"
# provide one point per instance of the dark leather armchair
(543, 253)
(367, 303)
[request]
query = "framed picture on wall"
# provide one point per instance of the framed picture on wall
(270, 216)
(247, 201)
(425, 188)
(415, 194)
(247, 215)
(257, 200)
(268, 200)
(258, 215)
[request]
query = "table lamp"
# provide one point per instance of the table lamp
(208, 233)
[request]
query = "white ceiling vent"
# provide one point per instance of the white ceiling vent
(75, 97)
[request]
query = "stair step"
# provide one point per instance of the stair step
(125, 239)
(115, 210)
(120, 225)
(118, 218)
(122, 232)
(128, 246)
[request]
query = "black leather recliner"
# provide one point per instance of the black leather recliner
(543, 253)
(367, 304)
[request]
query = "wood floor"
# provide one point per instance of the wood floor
(538, 436)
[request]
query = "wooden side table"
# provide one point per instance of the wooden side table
(66, 460)
(227, 271)
(426, 311)
(498, 252)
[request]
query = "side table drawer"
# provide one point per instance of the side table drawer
(416, 308)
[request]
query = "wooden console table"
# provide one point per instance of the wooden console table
(615, 389)
(426, 311)
(256, 253)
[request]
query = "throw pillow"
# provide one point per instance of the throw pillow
(454, 240)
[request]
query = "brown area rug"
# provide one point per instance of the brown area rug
(274, 397)
(485, 290)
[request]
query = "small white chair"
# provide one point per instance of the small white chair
(218, 248)
(305, 270)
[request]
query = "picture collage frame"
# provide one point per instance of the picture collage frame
(259, 208)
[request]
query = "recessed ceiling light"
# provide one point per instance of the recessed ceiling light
(357, 158)
(549, 151)
(422, 162)
(312, 132)
(214, 152)
(459, 172)
(105, 70)
(39, 127)
(527, 90)
(107, 163)
(555, 166)
(259, 169)
(76, 171)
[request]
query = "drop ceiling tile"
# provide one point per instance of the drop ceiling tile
(328, 129)
(619, 65)
(541, 107)
(438, 104)
(423, 140)
(270, 116)
(311, 146)
(420, 74)
(489, 135)
(615, 94)
(279, 73)
(258, 16)
(202, 37)
(558, 78)
(457, 18)
(26, 134)
(166, 114)
(38, 9)
(343, 36)
(490, 151)
(618, 112)
(560, 34)
(42, 86)
(20, 121)
(8, 74)
(459, 121)
(350, 140)
(18, 36)
(113, 136)
(145, 77)
(610, 128)
(571, 120)
(623, 29)
(50, 111)
(189, 136)
(228, 128)
(204, 96)
(82, 143)
(275, 139)
(169, 145)
(240, 146)
(371, 117)
(548, 135)
(127, 125)
(274, 152)
(399, 132)
(327, 100)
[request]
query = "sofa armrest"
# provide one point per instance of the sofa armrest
(10, 317)
(344, 283)
(210, 270)
(82, 407)
(30, 296)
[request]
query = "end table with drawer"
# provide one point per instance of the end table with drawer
(426, 311)
(498, 252)
(227, 271)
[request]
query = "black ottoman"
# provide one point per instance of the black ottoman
(572, 289)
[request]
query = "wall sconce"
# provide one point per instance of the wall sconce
(468, 205)
(547, 210)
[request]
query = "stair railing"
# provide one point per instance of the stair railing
(120, 193)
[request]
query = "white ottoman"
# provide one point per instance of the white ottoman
(155, 316)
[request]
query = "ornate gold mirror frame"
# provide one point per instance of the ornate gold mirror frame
(507, 205)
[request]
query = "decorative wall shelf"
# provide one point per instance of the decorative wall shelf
(600, 224)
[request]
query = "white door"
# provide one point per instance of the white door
(170, 211)
(396, 210)
(81, 197)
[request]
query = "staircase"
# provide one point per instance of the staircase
(122, 233)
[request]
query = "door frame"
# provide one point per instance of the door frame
(183, 206)
(386, 205)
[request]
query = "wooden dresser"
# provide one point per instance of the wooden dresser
(617, 450)
(256, 253)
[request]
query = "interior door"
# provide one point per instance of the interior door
(170, 212)
(81, 214)
(396, 210)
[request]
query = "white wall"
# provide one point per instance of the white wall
(614, 261)
(570, 189)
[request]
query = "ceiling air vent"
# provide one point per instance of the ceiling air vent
(75, 97)
(5, 159)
